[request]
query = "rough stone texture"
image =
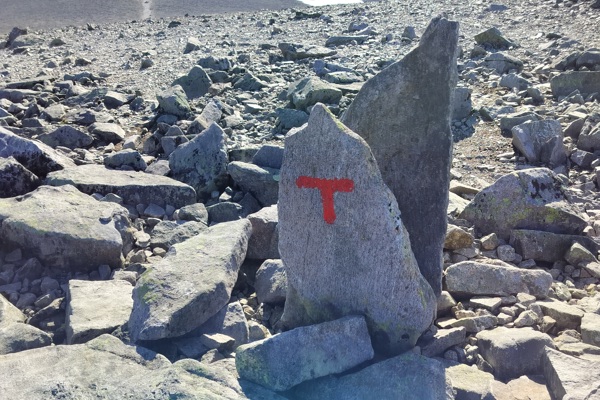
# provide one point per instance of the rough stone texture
(108, 132)
(470, 278)
(37, 157)
(194, 212)
(174, 101)
(541, 142)
(305, 353)
(546, 246)
(442, 340)
(167, 233)
(513, 352)
(202, 162)
(271, 156)
(264, 242)
(571, 378)
(204, 268)
(408, 376)
(457, 238)
(16, 337)
(15, 179)
(347, 270)
(502, 62)
(494, 38)
(271, 282)
(261, 182)
(404, 115)
(96, 307)
(195, 84)
(230, 321)
(312, 90)
(134, 187)
(59, 224)
(67, 136)
(566, 316)
(531, 387)
(9, 313)
(529, 199)
(587, 82)
(470, 383)
(590, 329)
(128, 158)
(292, 51)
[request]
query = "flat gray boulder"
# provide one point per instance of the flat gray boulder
(96, 307)
(17, 336)
(65, 228)
(333, 268)
(587, 82)
(133, 187)
(167, 233)
(311, 90)
(67, 136)
(404, 115)
(289, 358)
(529, 199)
(547, 246)
(15, 179)
(191, 284)
(571, 378)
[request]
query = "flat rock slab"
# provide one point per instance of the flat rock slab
(17, 337)
(571, 378)
(96, 307)
(547, 246)
(289, 358)
(333, 268)
(404, 115)
(565, 315)
(133, 187)
(65, 228)
(587, 82)
(530, 199)
(191, 284)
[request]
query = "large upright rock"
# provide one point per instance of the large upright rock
(404, 115)
(342, 239)
(191, 284)
(202, 162)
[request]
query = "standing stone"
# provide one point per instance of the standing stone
(404, 115)
(333, 268)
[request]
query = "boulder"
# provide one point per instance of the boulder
(15, 179)
(269, 155)
(457, 238)
(195, 84)
(174, 101)
(494, 38)
(347, 270)
(442, 340)
(590, 329)
(204, 267)
(261, 182)
(60, 224)
(529, 199)
(211, 113)
(470, 278)
(461, 103)
(293, 52)
(289, 358)
(67, 136)
(8, 313)
(547, 246)
(570, 378)
(249, 83)
(470, 383)
(16, 337)
(311, 90)
(565, 315)
(134, 187)
(271, 282)
(202, 162)
(167, 233)
(229, 320)
(126, 159)
(508, 122)
(264, 242)
(502, 62)
(587, 82)
(589, 136)
(96, 307)
(107, 132)
(541, 142)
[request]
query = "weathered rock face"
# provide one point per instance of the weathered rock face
(305, 353)
(15, 179)
(202, 162)
(59, 224)
(570, 378)
(404, 115)
(529, 199)
(546, 246)
(587, 82)
(195, 84)
(370, 271)
(133, 187)
(191, 284)
(541, 141)
(67, 136)
(261, 182)
(265, 236)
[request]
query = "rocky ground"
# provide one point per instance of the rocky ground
(84, 110)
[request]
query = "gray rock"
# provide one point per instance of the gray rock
(288, 118)
(194, 212)
(571, 378)
(577, 255)
(16, 337)
(206, 277)
(469, 278)
(405, 377)
(174, 101)
(287, 359)
(15, 179)
(8, 313)
(261, 182)
(590, 329)
(133, 187)
(513, 352)
(442, 340)
(170, 143)
(230, 321)
(471, 324)
(37, 157)
(514, 81)
(295, 52)
(502, 62)
(457, 238)
(96, 307)
(192, 44)
(461, 103)
(211, 113)
(332, 279)
(218, 64)
(582, 158)
(402, 135)
(167, 233)
(264, 242)
(508, 122)
(311, 90)
(566, 316)
(250, 83)
(335, 41)
(202, 162)
(59, 224)
(541, 142)
(114, 99)
(129, 158)
(546, 246)
(195, 84)
(470, 383)
(528, 199)
(269, 155)
(493, 38)
(587, 82)
(224, 211)
(108, 132)
(589, 136)
(271, 282)
(67, 136)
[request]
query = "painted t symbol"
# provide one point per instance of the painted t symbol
(327, 187)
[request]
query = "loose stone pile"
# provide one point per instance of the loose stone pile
(285, 216)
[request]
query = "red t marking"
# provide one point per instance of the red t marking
(327, 187)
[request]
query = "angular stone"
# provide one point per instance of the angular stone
(577, 254)
(174, 101)
(546, 246)
(270, 156)
(298, 51)
(311, 90)
(15, 179)
(126, 159)
(513, 352)
(264, 242)
(502, 62)
(134, 187)
(469, 278)
(271, 282)
(347, 270)
(204, 267)
(528, 199)
(192, 44)
(195, 84)
(571, 378)
(108, 132)
(67, 136)
(249, 83)
(194, 212)
(541, 142)
(587, 82)
(335, 41)
(461, 103)
(457, 238)
(442, 340)
(494, 38)
(404, 115)
(262, 183)
(590, 329)
(305, 353)
(533, 387)
(508, 122)
(16, 337)
(60, 224)
(471, 324)
(96, 307)
(230, 321)
(37, 157)
(202, 162)
(470, 383)
(566, 316)
(167, 233)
